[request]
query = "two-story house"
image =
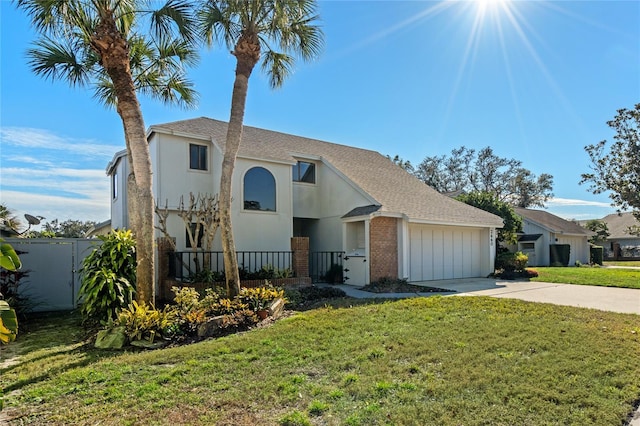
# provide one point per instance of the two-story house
(342, 198)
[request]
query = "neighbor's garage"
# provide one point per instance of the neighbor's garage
(445, 252)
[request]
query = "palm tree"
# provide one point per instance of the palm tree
(271, 30)
(100, 43)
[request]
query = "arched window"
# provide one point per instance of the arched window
(259, 190)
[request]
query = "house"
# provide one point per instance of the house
(541, 229)
(342, 198)
(619, 226)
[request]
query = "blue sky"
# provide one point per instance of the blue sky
(535, 80)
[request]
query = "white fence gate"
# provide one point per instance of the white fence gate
(53, 265)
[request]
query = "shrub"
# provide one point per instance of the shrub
(10, 262)
(144, 322)
(192, 309)
(334, 275)
(12, 290)
(206, 276)
(8, 323)
(267, 272)
(511, 262)
(299, 298)
(259, 298)
(108, 277)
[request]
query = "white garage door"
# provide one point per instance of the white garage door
(440, 253)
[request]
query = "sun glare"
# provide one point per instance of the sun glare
(490, 5)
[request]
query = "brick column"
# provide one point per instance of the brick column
(300, 261)
(383, 247)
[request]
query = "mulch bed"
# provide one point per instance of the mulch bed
(402, 288)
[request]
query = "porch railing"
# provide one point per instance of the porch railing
(184, 265)
(326, 266)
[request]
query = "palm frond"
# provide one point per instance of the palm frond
(175, 15)
(278, 66)
(104, 92)
(57, 61)
(217, 22)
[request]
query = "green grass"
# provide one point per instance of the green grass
(607, 277)
(437, 360)
(634, 263)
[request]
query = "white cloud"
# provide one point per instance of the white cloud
(29, 138)
(574, 202)
(57, 177)
(94, 208)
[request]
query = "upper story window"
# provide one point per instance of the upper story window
(259, 190)
(114, 185)
(304, 171)
(197, 157)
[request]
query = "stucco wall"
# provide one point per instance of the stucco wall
(119, 215)
(328, 200)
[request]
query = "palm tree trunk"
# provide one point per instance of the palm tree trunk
(234, 136)
(114, 54)
(247, 54)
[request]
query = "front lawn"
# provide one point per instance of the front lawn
(607, 277)
(437, 360)
(633, 263)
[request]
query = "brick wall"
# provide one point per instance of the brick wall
(300, 249)
(383, 244)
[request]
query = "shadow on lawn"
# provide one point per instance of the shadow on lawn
(56, 335)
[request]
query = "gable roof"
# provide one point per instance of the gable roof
(552, 222)
(393, 189)
(618, 224)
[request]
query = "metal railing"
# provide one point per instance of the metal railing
(326, 266)
(185, 265)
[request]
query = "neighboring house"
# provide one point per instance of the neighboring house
(341, 198)
(102, 228)
(542, 229)
(618, 226)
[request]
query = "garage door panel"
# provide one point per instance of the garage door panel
(444, 253)
(415, 270)
(438, 255)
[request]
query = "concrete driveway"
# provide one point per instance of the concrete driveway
(622, 300)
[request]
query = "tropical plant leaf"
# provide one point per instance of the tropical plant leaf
(9, 259)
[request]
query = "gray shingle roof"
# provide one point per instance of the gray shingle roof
(552, 222)
(618, 224)
(395, 190)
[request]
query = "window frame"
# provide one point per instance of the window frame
(114, 186)
(295, 172)
(244, 191)
(200, 157)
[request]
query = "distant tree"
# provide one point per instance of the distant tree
(600, 229)
(10, 221)
(405, 164)
(489, 202)
(616, 168)
(274, 32)
(106, 44)
(447, 174)
(467, 171)
(67, 229)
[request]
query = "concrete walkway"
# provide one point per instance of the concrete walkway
(621, 300)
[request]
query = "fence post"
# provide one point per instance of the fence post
(300, 261)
